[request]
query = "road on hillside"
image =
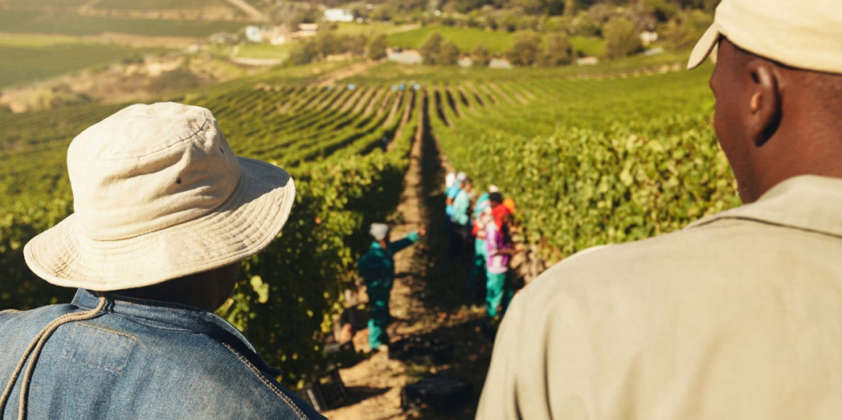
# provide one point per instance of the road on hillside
(255, 14)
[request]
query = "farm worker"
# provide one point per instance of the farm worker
(499, 250)
(164, 213)
(736, 316)
(377, 267)
(462, 220)
(451, 192)
(476, 280)
(510, 204)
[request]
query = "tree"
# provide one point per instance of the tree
(355, 44)
(558, 50)
(621, 39)
(480, 56)
(377, 47)
(448, 55)
(430, 49)
(304, 52)
(525, 49)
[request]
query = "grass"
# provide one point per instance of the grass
(30, 63)
(45, 4)
(264, 51)
(29, 21)
(465, 38)
(588, 45)
(371, 28)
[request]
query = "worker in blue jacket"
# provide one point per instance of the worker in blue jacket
(377, 267)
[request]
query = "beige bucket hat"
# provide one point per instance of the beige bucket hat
(158, 195)
(805, 34)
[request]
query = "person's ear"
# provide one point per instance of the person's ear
(765, 105)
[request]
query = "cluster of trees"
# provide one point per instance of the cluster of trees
(543, 27)
(327, 43)
(528, 48)
(390, 9)
(509, 15)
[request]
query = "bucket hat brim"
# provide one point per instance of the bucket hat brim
(243, 225)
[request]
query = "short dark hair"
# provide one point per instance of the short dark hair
(495, 197)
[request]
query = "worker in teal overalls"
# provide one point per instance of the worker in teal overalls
(377, 267)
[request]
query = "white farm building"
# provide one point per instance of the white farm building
(339, 15)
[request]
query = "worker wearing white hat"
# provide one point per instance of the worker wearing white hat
(163, 214)
(736, 316)
(377, 267)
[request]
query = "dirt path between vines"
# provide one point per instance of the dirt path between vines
(426, 301)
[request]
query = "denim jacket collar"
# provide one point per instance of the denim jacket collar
(173, 316)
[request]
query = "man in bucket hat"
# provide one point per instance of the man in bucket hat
(163, 213)
(736, 316)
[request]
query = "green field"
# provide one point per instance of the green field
(29, 21)
(45, 4)
(26, 64)
(465, 38)
(264, 51)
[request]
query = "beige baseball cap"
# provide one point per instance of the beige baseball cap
(158, 195)
(805, 34)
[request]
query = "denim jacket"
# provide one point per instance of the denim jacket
(140, 359)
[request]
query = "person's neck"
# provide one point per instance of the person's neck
(193, 291)
(801, 147)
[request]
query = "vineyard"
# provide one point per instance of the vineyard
(588, 160)
(591, 161)
(346, 148)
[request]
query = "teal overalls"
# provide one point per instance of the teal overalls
(377, 267)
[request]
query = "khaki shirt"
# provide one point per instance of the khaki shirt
(739, 316)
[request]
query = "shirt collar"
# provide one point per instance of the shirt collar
(808, 202)
(164, 313)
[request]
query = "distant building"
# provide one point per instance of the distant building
(499, 63)
(404, 56)
(648, 37)
(587, 61)
(338, 15)
(254, 34)
(306, 30)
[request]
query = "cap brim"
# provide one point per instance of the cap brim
(703, 47)
(246, 223)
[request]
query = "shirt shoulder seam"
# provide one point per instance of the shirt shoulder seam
(266, 382)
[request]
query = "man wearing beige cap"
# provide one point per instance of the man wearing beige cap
(163, 213)
(738, 315)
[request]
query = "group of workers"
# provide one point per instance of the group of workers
(480, 233)
(479, 238)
